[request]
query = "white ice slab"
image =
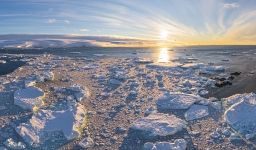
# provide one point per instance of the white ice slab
(159, 124)
(242, 115)
(196, 112)
(44, 123)
(28, 98)
(171, 101)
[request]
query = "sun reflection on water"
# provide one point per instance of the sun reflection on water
(163, 55)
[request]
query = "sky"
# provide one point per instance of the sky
(150, 22)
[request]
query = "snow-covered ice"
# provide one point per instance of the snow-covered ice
(45, 123)
(28, 97)
(171, 101)
(159, 124)
(196, 112)
(241, 116)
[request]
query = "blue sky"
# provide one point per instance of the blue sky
(180, 22)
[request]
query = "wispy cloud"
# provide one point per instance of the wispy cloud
(231, 5)
(84, 30)
(183, 22)
(67, 21)
(20, 41)
(52, 20)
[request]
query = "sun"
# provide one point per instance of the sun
(163, 35)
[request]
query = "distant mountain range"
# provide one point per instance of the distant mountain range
(45, 41)
(42, 44)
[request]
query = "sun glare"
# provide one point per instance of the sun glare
(163, 35)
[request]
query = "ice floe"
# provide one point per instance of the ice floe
(196, 112)
(159, 124)
(45, 123)
(171, 101)
(241, 116)
(28, 97)
(178, 144)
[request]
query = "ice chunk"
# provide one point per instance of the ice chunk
(10, 143)
(45, 123)
(28, 98)
(79, 92)
(99, 55)
(196, 112)
(171, 101)
(86, 142)
(211, 69)
(234, 99)
(179, 144)
(203, 92)
(2, 61)
(91, 66)
(144, 61)
(193, 65)
(47, 75)
(216, 105)
(242, 115)
(159, 124)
